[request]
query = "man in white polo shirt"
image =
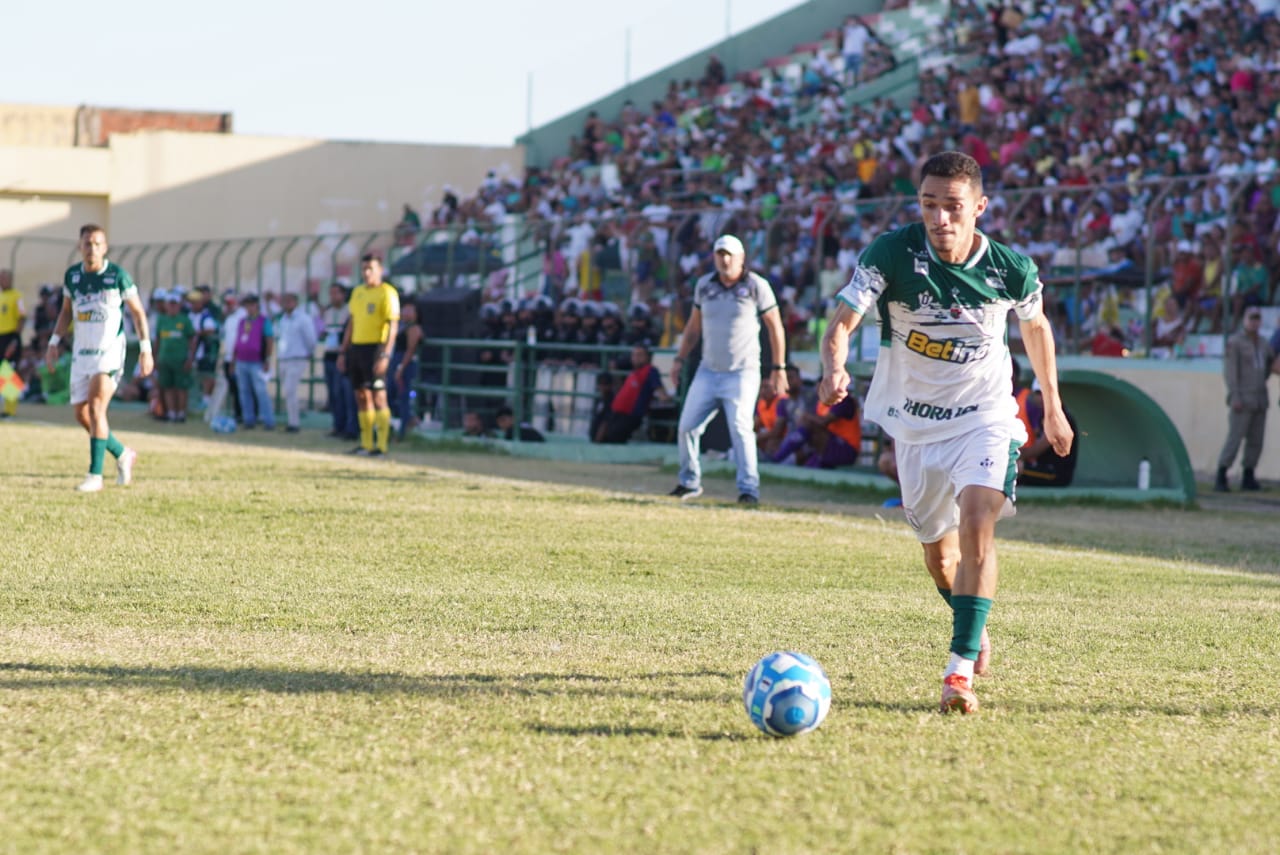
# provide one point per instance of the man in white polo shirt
(729, 307)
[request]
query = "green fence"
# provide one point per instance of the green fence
(551, 386)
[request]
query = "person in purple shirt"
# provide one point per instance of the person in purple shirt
(252, 351)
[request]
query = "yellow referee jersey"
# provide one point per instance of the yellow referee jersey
(11, 311)
(372, 311)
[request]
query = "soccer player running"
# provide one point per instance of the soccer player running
(96, 292)
(941, 389)
(366, 353)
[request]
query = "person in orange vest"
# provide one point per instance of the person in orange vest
(827, 437)
(770, 429)
(1021, 395)
(837, 435)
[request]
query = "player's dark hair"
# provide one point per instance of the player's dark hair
(90, 228)
(370, 256)
(953, 164)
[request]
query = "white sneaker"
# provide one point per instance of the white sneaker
(91, 484)
(124, 467)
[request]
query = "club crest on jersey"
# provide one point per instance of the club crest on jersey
(925, 301)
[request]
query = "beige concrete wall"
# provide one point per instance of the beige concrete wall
(185, 189)
(37, 125)
(1193, 394)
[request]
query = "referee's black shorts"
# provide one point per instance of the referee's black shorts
(7, 339)
(360, 362)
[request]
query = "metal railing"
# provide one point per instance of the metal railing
(551, 386)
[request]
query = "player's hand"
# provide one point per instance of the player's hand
(146, 363)
(780, 384)
(51, 357)
(834, 387)
(341, 364)
(1058, 431)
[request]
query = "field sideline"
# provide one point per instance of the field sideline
(264, 646)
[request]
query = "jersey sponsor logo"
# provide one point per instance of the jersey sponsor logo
(952, 350)
(90, 316)
(932, 412)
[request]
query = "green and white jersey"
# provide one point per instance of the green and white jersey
(943, 368)
(97, 308)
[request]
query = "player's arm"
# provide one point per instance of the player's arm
(59, 330)
(772, 321)
(146, 362)
(688, 341)
(834, 353)
(1037, 337)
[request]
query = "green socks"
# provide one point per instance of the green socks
(969, 617)
(114, 446)
(97, 450)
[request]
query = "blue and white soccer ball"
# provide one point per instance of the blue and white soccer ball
(787, 693)
(223, 424)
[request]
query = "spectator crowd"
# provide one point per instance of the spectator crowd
(1114, 139)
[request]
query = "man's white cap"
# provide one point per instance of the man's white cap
(729, 244)
(160, 295)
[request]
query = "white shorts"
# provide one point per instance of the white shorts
(933, 474)
(84, 368)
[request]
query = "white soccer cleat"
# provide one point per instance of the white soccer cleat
(90, 484)
(124, 467)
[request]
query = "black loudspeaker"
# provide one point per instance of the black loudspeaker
(450, 312)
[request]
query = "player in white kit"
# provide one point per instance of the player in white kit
(95, 294)
(941, 389)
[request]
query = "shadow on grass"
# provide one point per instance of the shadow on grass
(611, 730)
(35, 675)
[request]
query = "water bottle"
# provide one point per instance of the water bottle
(1144, 474)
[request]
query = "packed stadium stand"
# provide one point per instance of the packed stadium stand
(1124, 145)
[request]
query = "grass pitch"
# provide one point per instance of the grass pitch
(267, 649)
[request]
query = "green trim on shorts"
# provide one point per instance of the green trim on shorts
(1011, 474)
